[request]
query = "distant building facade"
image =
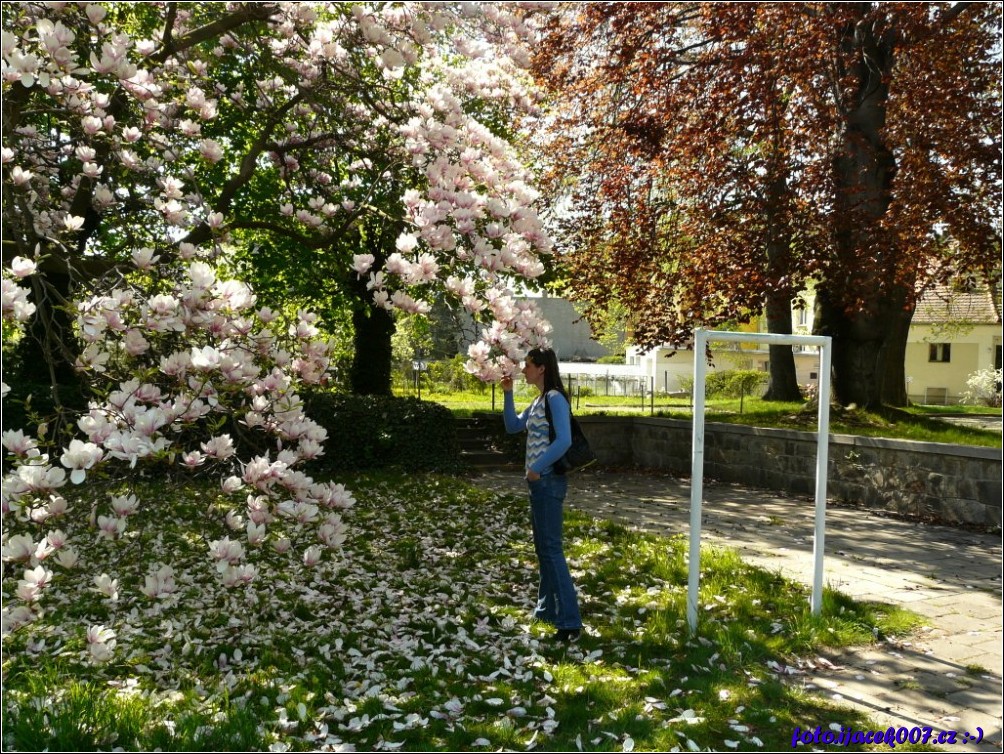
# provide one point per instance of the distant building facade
(953, 334)
(571, 338)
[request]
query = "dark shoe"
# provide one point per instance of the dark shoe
(567, 635)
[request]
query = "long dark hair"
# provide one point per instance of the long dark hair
(545, 357)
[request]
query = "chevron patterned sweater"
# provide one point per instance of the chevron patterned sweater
(541, 453)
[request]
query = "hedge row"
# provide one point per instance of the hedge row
(370, 432)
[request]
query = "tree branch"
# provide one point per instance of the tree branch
(249, 13)
(248, 165)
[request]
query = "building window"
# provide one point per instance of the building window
(941, 352)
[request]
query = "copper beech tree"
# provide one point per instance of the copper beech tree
(717, 158)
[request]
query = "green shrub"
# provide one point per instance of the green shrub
(734, 383)
(450, 376)
(371, 432)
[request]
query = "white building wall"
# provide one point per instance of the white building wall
(671, 372)
(927, 380)
(933, 380)
(571, 337)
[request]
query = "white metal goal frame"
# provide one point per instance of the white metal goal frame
(701, 338)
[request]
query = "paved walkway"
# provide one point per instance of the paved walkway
(948, 676)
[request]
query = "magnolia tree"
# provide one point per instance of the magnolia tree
(133, 136)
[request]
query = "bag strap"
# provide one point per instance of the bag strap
(547, 415)
(573, 425)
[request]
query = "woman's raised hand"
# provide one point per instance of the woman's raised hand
(506, 384)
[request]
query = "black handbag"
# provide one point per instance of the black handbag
(579, 455)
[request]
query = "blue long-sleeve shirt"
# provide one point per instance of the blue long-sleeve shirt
(541, 453)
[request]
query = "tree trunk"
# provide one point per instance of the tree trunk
(45, 386)
(894, 388)
(783, 385)
(868, 350)
(861, 303)
(372, 358)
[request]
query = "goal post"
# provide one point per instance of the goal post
(701, 338)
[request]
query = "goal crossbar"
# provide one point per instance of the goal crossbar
(701, 339)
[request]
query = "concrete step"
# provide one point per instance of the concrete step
(478, 439)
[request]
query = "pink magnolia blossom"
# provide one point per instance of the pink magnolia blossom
(226, 552)
(124, 505)
(159, 582)
(41, 478)
(16, 307)
(239, 575)
(67, 558)
(362, 263)
(312, 556)
(255, 533)
(211, 150)
(220, 447)
(145, 258)
(232, 484)
(110, 527)
(20, 444)
(101, 643)
(332, 533)
(20, 177)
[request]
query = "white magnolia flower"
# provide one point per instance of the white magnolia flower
(106, 585)
(312, 556)
(101, 643)
(79, 457)
(17, 548)
(22, 267)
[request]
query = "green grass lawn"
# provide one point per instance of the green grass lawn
(417, 638)
(920, 423)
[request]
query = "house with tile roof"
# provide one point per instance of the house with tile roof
(953, 334)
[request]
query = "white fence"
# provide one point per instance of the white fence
(605, 379)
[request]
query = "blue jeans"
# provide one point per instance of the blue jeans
(556, 600)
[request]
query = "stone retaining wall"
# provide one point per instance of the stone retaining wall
(953, 483)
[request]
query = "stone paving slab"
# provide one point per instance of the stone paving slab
(947, 676)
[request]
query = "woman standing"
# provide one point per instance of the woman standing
(557, 603)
